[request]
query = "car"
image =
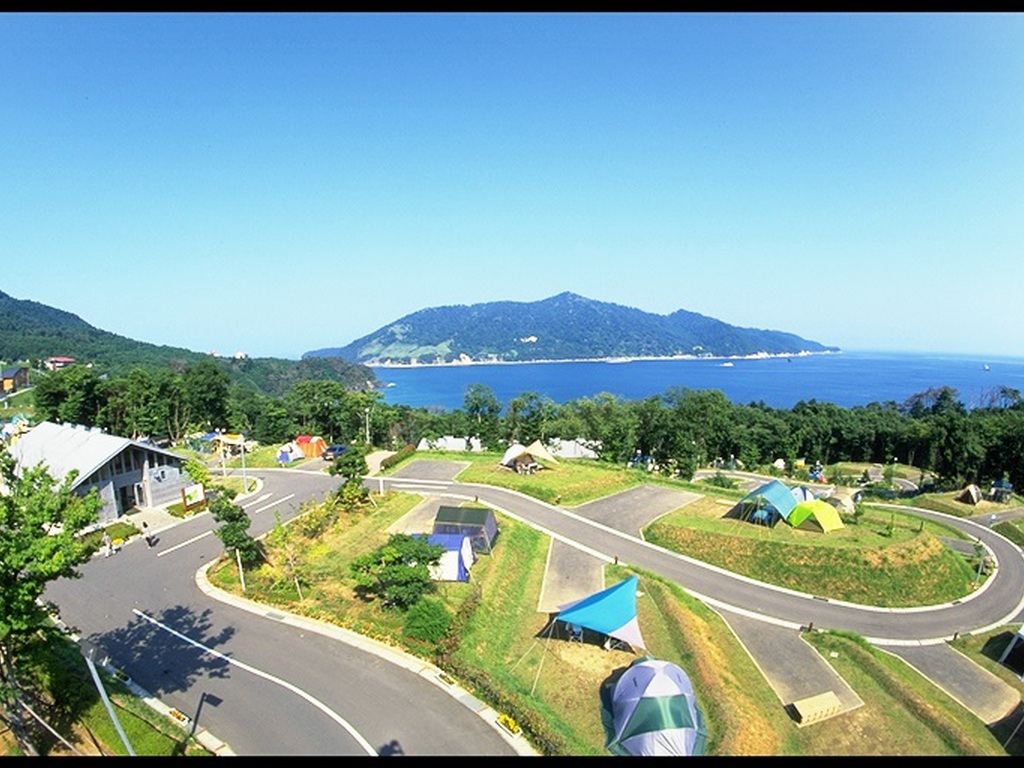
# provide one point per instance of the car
(332, 452)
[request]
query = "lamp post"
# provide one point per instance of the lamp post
(245, 483)
(367, 412)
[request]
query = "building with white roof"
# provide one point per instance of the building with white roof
(127, 473)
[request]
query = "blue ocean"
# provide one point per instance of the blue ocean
(847, 379)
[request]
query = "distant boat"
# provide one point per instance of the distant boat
(986, 367)
(727, 365)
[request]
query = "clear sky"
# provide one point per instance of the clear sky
(275, 183)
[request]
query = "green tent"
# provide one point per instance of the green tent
(823, 513)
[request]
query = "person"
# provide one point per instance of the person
(146, 534)
(107, 544)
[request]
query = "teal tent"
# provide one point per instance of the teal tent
(611, 612)
(768, 504)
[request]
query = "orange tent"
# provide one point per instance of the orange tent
(312, 446)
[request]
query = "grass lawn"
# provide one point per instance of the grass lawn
(498, 648)
(73, 707)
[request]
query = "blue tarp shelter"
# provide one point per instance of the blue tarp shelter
(611, 612)
(768, 504)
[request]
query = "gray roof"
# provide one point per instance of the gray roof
(9, 373)
(63, 447)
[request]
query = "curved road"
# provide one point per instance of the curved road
(267, 687)
(997, 603)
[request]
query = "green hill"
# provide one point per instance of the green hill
(563, 327)
(33, 331)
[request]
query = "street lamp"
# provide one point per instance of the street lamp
(245, 483)
(367, 412)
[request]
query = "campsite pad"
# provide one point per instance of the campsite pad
(420, 519)
(793, 668)
(633, 509)
(571, 574)
(973, 686)
(431, 469)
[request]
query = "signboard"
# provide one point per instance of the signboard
(193, 496)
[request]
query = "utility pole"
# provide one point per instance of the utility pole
(367, 412)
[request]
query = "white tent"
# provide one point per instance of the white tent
(290, 452)
(457, 559)
(514, 451)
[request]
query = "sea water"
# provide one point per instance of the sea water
(846, 379)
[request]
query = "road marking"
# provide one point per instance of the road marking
(163, 552)
(264, 497)
(279, 501)
(267, 676)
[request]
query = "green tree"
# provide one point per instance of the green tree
(234, 529)
(197, 471)
(206, 386)
(39, 525)
(71, 395)
(398, 572)
(484, 413)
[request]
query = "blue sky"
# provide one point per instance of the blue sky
(275, 183)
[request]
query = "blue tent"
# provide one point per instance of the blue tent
(611, 612)
(769, 503)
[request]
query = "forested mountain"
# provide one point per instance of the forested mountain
(563, 327)
(33, 331)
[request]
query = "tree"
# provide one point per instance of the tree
(234, 529)
(352, 466)
(484, 411)
(399, 571)
(39, 525)
(206, 387)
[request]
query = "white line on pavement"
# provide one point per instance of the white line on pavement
(267, 676)
(279, 501)
(163, 552)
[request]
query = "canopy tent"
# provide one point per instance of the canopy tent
(457, 558)
(802, 493)
(611, 612)
(522, 458)
(823, 513)
(652, 710)
(769, 503)
(540, 453)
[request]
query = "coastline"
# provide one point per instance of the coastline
(466, 363)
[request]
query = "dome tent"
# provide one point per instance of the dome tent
(651, 710)
(822, 513)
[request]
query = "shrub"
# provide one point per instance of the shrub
(400, 455)
(428, 620)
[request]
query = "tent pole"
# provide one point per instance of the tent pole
(551, 629)
(532, 646)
